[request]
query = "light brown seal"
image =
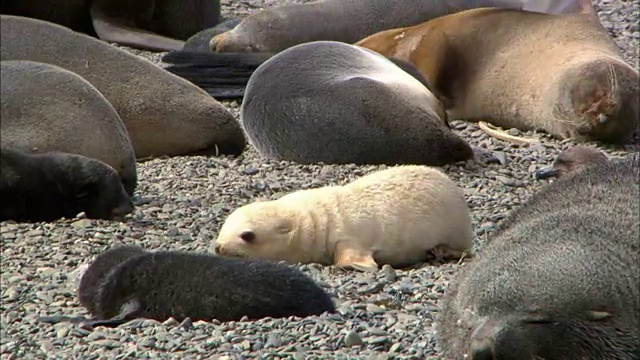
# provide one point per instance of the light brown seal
(47, 108)
(558, 72)
(163, 113)
(560, 279)
(393, 216)
(278, 28)
(145, 24)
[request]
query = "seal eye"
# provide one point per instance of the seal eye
(248, 236)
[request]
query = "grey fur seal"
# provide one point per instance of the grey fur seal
(164, 284)
(560, 279)
(571, 160)
(145, 24)
(281, 27)
(336, 103)
(52, 185)
(576, 86)
(163, 114)
(47, 108)
(200, 40)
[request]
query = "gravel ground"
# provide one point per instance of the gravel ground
(381, 316)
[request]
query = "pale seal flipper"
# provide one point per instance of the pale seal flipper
(281, 27)
(559, 280)
(577, 86)
(161, 285)
(47, 108)
(163, 113)
(200, 40)
(395, 216)
(357, 108)
(49, 186)
(571, 160)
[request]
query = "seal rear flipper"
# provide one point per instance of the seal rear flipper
(222, 75)
(120, 31)
(558, 7)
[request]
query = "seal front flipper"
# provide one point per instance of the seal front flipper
(122, 31)
(128, 312)
(349, 255)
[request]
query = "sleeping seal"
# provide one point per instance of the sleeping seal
(559, 280)
(336, 103)
(559, 72)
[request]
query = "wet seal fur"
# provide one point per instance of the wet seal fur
(394, 216)
(160, 285)
(337, 103)
(164, 114)
(156, 25)
(49, 186)
(577, 85)
(47, 108)
(281, 27)
(559, 280)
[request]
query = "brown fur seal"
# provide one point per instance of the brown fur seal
(558, 72)
(559, 280)
(571, 160)
(47, 108)
(281, 27)
(200, 287)
(394, 216)
(144, 24)
(163, 114)
(358, 107)
(52, 185)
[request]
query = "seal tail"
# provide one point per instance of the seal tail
(557, 7)
(222, 75)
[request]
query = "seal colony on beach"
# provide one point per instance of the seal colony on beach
(164, 114)
(560, 279)
(336, 103)
(127, 283)
(156, 25)
(394, 216)
(577, 85)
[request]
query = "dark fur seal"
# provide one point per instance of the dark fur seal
(202, 287)
(144, 24)
(47, 108)
(577, 85)
(48, 186)
(163, 114)
(336, 103)
(200, 40)
(559, 280)
(571, 160)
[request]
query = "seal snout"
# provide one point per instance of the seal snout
(545, 173)
(481, 349)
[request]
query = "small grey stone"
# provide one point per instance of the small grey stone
(352, 339)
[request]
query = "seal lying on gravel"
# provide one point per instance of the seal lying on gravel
(394, 216)
(161, 285)
(570, 160)
(281, 27)
(48, 186)
(144, 24)
(47, 108)
(576, 86)
(336, 103)
(559, 280)
(163, 114)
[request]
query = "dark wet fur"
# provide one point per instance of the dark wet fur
(560, 279)
(206, 287)
(46, 187)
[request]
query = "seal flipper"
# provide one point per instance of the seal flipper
(349, 255)
(127, 313)
(117, 30)
(222, 75)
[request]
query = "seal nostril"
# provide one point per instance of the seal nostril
(217, 248)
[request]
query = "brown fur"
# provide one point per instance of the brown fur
(527, 70)
(571, 160)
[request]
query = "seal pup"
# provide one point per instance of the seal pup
(52, 185)
(577, 85)
(181, 285)
(281, 27)
(358, 108)
(200, 40)
(571, 160)
(163, 113)
(155, 25)
(559, 280)
(393, 216)
(47, 108)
